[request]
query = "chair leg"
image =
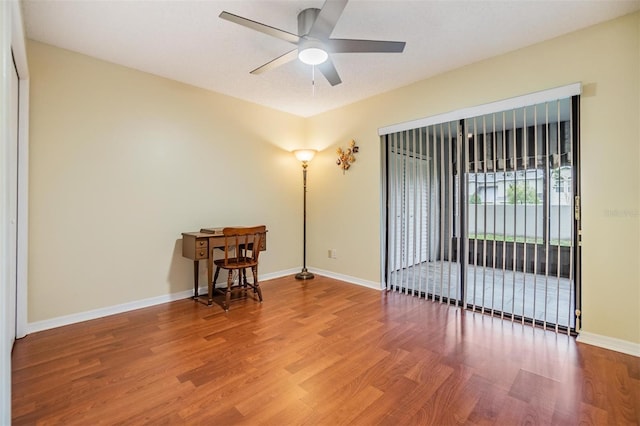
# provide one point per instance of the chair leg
(228, 293)
(256, 284)
(242, 279)
(211, 285)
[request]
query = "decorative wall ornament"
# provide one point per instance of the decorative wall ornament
(346, 158)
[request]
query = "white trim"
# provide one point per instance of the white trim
(152, 301)
(18, 41)
(383, 217)
(279, 274)
(130, 306)
(475, 111)
(23, 211)
(20, 56)
(12, 38)
(610, 343)
(5, 334)
(34, 327)
(347, 278)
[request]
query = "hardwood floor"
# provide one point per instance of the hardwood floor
(321, 352)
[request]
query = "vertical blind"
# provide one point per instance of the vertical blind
(420, 189)
(480, 212)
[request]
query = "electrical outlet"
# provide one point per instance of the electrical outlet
(333, 254)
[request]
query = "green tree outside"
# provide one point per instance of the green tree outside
(475, 199)
(521, 194)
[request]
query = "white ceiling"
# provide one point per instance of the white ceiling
(184, 40)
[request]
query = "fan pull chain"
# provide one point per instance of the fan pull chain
(313, 80)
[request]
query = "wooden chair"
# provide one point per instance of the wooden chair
(241, 251)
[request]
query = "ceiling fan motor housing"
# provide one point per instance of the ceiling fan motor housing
(306, 18)
(311, 51)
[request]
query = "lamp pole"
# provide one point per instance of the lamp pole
(304, 156)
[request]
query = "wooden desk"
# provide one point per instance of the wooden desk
(199, 246)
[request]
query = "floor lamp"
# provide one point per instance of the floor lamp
(304, 155)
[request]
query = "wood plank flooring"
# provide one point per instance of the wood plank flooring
(321, 352)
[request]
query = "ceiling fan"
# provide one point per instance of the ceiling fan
(313, 41)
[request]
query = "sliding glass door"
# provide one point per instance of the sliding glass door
(481, 212)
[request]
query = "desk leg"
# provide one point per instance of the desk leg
(195, 279)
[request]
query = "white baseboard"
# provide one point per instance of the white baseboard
(605, 342)
(611, 343)
(33, 327)
(347, 278)
(278, 274)
(36, 326)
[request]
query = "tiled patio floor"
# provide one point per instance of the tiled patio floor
(540, 297)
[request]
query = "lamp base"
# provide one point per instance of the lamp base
(304, 275)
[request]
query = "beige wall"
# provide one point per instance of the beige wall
(122, 162)
(345, 209)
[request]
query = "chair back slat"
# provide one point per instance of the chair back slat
(238, 241)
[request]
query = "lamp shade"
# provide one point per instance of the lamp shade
(304, 155)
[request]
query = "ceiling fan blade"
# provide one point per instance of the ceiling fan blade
(280, 60)
(327, 19)
(329, 71)
(257, 26)
(337, 45)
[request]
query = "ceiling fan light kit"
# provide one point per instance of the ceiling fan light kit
(313, 42)
(311, 52)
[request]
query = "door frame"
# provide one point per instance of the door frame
(18, 47)
(13, 48)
